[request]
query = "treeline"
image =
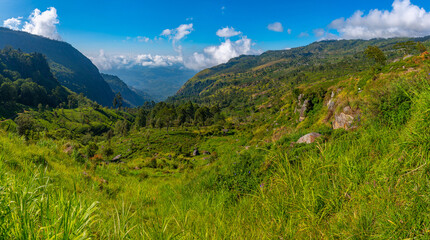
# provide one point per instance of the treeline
(183, 115)
(27, 79)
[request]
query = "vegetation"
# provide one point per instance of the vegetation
(220, 160)
(71, 68)
(132, 98)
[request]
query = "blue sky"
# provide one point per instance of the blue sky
(114, 26)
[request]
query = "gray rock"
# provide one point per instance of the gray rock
(117, 158)
(343, 120)
(196, 152)
(303, 109)
(309, 138)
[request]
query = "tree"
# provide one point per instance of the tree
(376, 54)
(118, 100)
(8, 92)
(141, 118)
(421, 48)
(122, 127)
(25, 124)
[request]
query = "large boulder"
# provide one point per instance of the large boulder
(309, 138)
(344, 119)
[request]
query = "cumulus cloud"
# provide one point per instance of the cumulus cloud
(210, 56)
(403, 20)
(276, 27)
(12, 23)
(39, 23)
(108, 62)
(227, 32)
(179, 32)
(319, 32)
(222, 53)
(43, 23)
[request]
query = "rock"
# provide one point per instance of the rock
(309, 138)
(343, 120)
(196, 152)
(117, 158)
(225, 131)
(68, 149)
(303, 109)
(331, 104)
(347, 110)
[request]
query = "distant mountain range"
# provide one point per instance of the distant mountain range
(158, 82)
(131, 96)
(72, 69)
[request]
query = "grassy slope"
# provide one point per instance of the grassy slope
(368, 183)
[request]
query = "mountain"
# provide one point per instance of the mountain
(72, 69)
(131, 97)
(27, 79)
(158, 82)
(270, 74)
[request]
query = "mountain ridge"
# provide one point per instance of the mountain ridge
(70, 67)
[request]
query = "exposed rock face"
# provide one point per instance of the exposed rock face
(303, 110)
(331, 103)
(196, 152)
(344, 119)
(309, 138)
(302, 107)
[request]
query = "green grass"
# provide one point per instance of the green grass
(368, 183)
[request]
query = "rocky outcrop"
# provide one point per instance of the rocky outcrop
(196, 152)
(345, 119)
(302, 107)
(309, 138)
(331, 103)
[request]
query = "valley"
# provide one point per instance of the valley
(222, 159)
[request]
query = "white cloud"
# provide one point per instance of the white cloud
(143, 39)
(215, 55)
(166, 32)
(403, 20)
(12, 23)
(227, 32)
(43, 23)
(210, 56)
(107, 62)
(289, 31)
(39, 23)
(319, 32)
(276, 27)
(178, 33)
(303, 34)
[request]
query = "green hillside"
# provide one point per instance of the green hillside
(328, 141)
(131, 97)
(72, 69)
